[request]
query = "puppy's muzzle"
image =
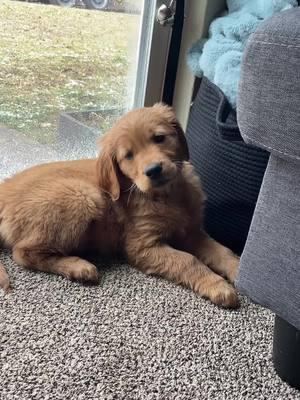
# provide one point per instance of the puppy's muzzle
(155, 173)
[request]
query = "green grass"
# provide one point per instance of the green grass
(54, 59)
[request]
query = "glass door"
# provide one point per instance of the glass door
(68, 70)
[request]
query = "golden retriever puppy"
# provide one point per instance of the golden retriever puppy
(140, 197)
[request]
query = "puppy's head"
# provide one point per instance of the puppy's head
(146, 147)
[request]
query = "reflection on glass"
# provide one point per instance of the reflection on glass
(66, 73)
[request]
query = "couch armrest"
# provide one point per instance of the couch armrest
(269, 91)
(270, 264)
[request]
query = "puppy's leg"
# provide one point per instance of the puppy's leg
(4, 279)
(184, 268)
(218, 257)
(53, 228)
(39, 258)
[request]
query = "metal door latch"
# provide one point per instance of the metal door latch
(165, 13)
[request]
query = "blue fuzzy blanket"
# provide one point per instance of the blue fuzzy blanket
(219, 57)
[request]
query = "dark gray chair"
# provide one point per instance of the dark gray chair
(269, 118)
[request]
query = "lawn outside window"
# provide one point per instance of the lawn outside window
(56, 59)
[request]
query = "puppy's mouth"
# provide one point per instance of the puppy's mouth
(161, 181)
(154, 185)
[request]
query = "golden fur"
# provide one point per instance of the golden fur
(51, 213)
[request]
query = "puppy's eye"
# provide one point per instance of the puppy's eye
(129, 155)
(158, 138)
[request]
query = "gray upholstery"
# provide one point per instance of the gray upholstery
(269, 117)
(269, 92)
(270, 270)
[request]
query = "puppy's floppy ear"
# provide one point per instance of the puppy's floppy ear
(168, 113)
(107, 173)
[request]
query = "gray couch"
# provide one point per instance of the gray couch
(269, 117)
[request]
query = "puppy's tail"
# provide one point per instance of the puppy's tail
(4, 279)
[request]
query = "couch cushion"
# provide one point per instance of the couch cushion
(269, 90)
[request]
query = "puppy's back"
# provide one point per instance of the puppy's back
(48, 191)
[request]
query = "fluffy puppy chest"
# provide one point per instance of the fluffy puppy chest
(166, 220)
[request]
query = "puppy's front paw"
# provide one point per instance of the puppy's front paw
(81, 270)
(224, 295)
(219, 292)
(232, 268)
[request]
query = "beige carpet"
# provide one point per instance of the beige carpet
(132, 337)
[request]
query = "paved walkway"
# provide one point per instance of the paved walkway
(18, 152)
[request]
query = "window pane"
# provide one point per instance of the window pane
(66, 73)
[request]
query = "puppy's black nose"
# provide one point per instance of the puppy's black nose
(153, 171)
